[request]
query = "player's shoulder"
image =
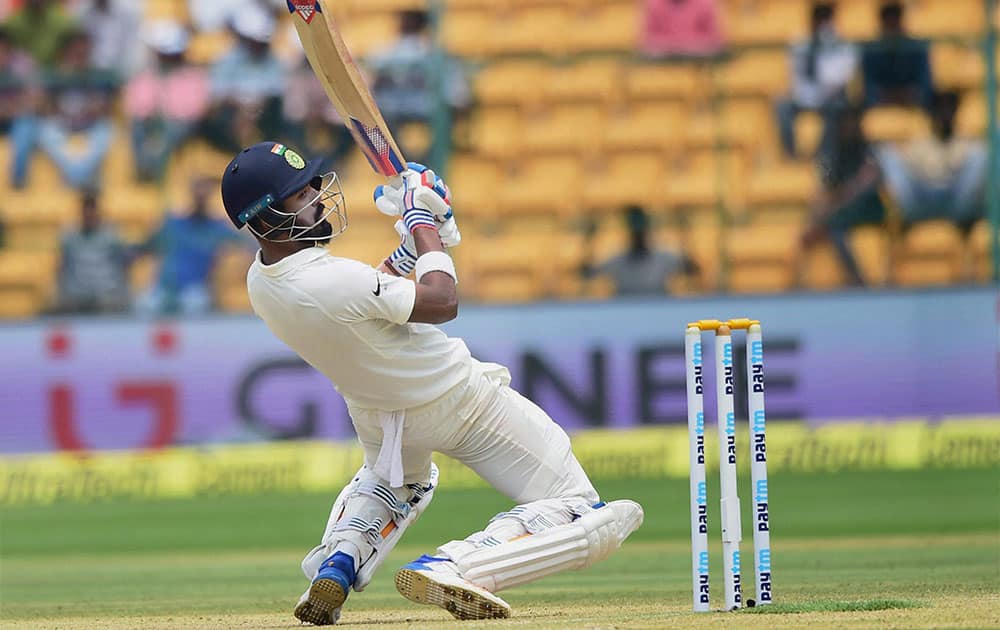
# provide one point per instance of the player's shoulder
(337, 277)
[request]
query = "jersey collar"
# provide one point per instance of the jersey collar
(289, 263)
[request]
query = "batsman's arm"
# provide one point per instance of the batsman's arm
(437, 298)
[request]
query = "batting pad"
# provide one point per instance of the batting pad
(576, 545)
(373, 517)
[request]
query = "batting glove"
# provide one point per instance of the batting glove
(417, 187)
(404, 259)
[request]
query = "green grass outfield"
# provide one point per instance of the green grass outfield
(871, 549)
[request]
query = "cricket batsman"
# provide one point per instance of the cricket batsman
(411, 390)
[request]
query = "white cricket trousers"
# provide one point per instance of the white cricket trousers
(507, 439)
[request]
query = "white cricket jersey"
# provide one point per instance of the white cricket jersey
(349, 321)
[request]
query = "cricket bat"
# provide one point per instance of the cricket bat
(332, 62)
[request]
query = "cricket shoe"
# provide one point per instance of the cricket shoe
(321, 604)
(436, 581)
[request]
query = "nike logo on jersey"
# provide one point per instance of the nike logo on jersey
(378, 288)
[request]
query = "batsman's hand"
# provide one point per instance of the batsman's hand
(404, 259)
(429, 193)
(430, 196)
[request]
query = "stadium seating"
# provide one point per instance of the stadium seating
(930, 253)
(569, 122)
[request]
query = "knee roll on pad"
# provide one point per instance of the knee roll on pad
(589, 539)
(372, 516)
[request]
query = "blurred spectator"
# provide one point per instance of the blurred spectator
(896, 67)
(40, 27)
(404, 82)
(93, 271)
(822, 67)
(164, 102)
(75, 130)
(187, 247)
(212, 16)
(641, 270)
(311, 121)
(113, 26)
(19, 100)
(681, 27)
(941, 175)
(849, 195)
(247, 85)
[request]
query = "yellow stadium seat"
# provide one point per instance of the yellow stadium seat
(385, 6)
(539, 29)
(507, 268)
(142, 274)
(562, 128)
(657, 81)
(452, 5)
(166, 10)
(645, 125)
(858, 19)
(704, 179)
(465, 31)
(762, 73)
(563, 277)
(894, 124)
(206, 47)
(229, 280)
(808, 132)
(474, 180)
(548, 185)
(28, 278)
(19, 303)
(509, 82)
(936, 18)
(930, 253)
(41, 207)
(703, 242)
(603, 26)
(591, 80)
(821, 269)
(871, 247)
(748, 22)
(136, 210)
(980, 246)
(784, 183)
(761, 257)
(972, 115)
(957, 66)
(747, 122)
(368, 32)
(626, 178)
(496, 131)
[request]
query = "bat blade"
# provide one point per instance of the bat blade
(333, 64)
